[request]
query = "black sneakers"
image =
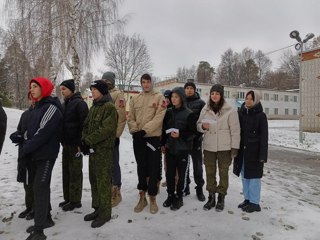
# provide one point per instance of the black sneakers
(244, 204)
(63, 203)
(211, 202)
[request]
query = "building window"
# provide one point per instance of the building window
(227, 94)
(295, 112)
(286, 111)
(286, 98)
(266, 110)
(266, 96)
(241, 95)
(276, 111)
(295, 98)
(275, 97)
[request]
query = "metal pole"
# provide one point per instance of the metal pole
(300, 96)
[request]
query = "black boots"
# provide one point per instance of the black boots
(168, 202)
(251, 207)
(177, 203)
(211, 202)
(49, 223)
(220, 203)
(71, 205)
(63, 203)
(186, 190)
(200, 194)
(98, 222)
(91, 216)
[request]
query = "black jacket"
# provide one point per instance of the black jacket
(44, 130)
(183, 119)
(254, 142)
(75, 111)
(3, 126)
(24, 164)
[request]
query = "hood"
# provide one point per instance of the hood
(180, 91)
(45, 84)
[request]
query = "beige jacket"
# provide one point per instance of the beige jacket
(120, 104)
(224, 131)
(146, 113)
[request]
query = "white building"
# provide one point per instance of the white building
(276, 104)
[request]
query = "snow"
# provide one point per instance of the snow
(290, 201)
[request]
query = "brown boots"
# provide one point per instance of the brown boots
(143, 203)
(116, 197)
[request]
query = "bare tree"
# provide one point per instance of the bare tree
(183, 74)
(128, 57)
(67, 31)
(290, 63)
(205, 72)
(263, 63)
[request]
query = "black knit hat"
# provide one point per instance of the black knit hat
(69, 84)
(217, 88)
(101, 86)
(190, 84)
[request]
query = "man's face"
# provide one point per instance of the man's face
(65, 92)
(146, 85)
(189, 91)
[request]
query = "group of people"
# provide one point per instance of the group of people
(178, 125)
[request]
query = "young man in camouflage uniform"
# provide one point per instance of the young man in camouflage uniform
(75, 111)
(98, 138)
(145, 119)
(120, 104)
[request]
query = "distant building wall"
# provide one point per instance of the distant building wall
(310, 90)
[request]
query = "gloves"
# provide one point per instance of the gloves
(139, 135)
(85, 149)
(16, 138)
(234, 152)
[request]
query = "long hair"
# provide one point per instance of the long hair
(216, 107)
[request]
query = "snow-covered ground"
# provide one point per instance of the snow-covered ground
(290, 201)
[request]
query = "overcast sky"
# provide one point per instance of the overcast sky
(183, 32)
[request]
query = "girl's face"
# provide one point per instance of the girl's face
(249, 101)
(95, 93)
(215, 97)
(35, 91)
(176, 100)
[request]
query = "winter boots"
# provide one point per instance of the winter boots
(91, 216)
(243, 204)
(186, 190)
(49, 223)
(98, 222)
(177, 203)
(25, 213)
(220, 203)
(142, 202)
(116, 197)
(153, 205)
(168, 202)
(211, 202)
(200, 194)
(71, 205)
(63, 203)
(37, 235)
(251, 207)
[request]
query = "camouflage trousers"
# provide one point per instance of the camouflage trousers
(72, 176)
(222, 159)
(100, 172)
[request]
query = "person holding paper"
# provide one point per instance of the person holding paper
(178, 133)
(145, 118)
(220, 124)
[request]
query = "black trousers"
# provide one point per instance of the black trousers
(176, 163)
(41, 189)
(197, 162)
(148, 157)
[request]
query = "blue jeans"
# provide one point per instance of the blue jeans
(251, 188)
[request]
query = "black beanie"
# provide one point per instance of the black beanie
(190, 84)
(69, 84)
(217, 88)
(101, 86)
